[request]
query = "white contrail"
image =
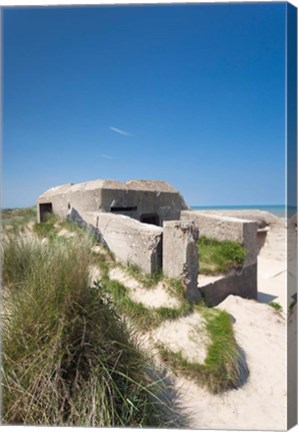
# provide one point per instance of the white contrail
(119, 131)
(106, 156)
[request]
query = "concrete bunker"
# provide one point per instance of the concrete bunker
(147, 201)
(148, 223)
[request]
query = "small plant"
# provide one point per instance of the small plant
(219, 256)
(220, 371)
(276, 306)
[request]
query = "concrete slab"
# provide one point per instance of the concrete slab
(180, 255)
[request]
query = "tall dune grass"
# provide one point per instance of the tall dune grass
(67, 358)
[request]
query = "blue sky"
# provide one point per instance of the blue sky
(190, 94)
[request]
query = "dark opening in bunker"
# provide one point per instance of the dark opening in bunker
(150, 218)
(45, 211)
(123, 209)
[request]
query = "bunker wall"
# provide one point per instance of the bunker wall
(130, 241)
(143, 204)
(243, 284)
(82, 200)
(218, 227)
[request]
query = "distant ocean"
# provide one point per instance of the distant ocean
(278, 210)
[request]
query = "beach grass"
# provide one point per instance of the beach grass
(67, 356)
(15, 220)
(48, 228)
(143, 317)
(217, 256)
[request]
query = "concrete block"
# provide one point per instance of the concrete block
(243, 284)
(218, 227)
(130, 240)
(180, 254)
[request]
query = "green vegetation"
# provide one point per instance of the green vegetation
(219, 256)
(220, 371)
(147, 280)
(276, 306)
(48, 228)
(15, 220)
(144, 317)
(67, 357)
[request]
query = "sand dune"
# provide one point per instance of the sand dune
(261, 402)
(261, 334)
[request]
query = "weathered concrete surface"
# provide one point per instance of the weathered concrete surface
(131, 241)
(218, 227)
(262, 217)
(243, 284)
(144, 200)
(180, 254)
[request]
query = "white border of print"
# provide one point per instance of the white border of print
(113, 2)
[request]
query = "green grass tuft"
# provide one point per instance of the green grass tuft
(220, 371)
(219, 256)
(276, 306)
(147, 280)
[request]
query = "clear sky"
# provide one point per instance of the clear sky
(190, 94)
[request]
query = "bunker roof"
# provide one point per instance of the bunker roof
(134, 185)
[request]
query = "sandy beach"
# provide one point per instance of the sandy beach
(261, 332)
